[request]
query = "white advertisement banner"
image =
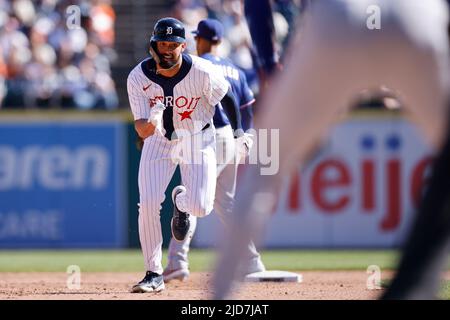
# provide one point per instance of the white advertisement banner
(360, 190)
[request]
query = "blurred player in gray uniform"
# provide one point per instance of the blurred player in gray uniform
(346, 46)
(208, 36)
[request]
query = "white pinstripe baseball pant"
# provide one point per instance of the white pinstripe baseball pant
(157, 166)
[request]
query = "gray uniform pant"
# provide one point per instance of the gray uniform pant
(337, 53)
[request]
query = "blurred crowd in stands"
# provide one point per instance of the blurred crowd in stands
(51, 56)
(59, 53)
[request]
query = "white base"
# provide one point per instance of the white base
(273, 276)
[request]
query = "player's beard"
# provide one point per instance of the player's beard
(169, 61)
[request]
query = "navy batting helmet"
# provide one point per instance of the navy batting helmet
(168, 29)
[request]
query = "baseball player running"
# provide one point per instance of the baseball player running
(341, 50)
(173, 97)
(208, 36)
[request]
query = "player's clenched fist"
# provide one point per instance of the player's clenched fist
(156, 115)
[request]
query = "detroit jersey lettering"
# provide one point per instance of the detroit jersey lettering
(191, 95)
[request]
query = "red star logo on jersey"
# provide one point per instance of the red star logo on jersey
(185, 114)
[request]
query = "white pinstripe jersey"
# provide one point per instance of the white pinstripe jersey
(190, 96)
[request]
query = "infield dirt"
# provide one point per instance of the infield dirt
(316, 285)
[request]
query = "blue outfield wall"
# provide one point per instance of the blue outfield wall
(70, 181)
(63, 184)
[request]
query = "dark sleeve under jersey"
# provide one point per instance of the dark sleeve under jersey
(232, 110)
(260, 22)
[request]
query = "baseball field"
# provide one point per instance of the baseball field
(109, 274)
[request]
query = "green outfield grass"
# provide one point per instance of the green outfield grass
(200, 260)
(445, 290)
